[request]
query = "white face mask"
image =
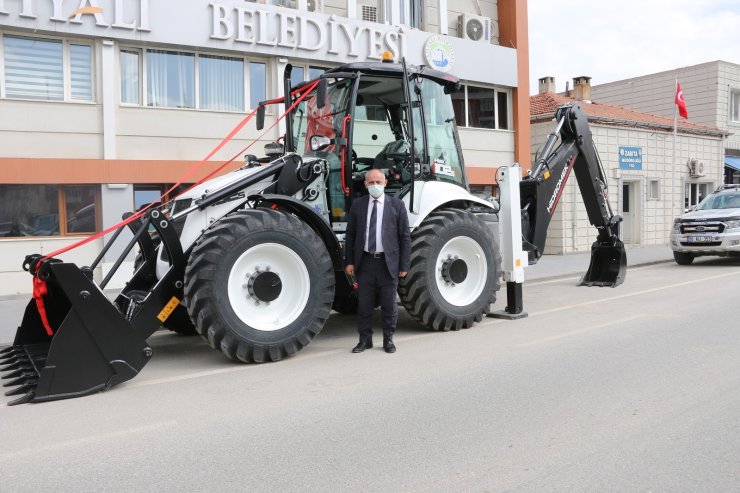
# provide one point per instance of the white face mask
(376, 190)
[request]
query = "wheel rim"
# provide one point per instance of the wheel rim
(272, 307)
(461, 270)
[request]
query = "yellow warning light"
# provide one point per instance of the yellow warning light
(518, 262)
(387, 57)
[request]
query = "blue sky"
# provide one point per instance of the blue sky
(610, 40)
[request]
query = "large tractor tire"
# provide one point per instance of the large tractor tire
(259, 285)
(455, 271)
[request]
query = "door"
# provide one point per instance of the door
(630, 214)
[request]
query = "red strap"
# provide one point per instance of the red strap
(39, 291)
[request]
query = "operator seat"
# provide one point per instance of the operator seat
(391, 154)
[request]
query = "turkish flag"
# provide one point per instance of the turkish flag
(681, 102)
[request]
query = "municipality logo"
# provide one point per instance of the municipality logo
(439, 53)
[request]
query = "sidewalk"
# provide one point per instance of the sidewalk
(576, 264)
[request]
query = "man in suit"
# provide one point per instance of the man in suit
(378, 253)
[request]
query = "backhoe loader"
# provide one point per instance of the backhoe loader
(252, 260)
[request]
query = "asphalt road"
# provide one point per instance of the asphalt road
(627, 389)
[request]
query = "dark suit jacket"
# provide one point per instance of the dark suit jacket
(395, 234)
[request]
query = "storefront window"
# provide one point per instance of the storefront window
(79, 204)
(221, 83)
(33, 210)
(170, 79)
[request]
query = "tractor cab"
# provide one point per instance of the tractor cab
(358, 118)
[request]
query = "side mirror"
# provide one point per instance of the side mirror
(260, 117)
(319, 142)
(321, 93)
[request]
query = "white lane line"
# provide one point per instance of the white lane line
(571, 333)
(103, 437)
(622, 296)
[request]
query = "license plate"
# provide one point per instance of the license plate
(699, 239)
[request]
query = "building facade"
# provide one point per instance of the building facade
(647, 168)
(105, 104)
(712, 94)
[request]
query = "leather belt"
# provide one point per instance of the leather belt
(374, 255)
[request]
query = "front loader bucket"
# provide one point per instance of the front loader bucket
(93, 346)
(608, 264)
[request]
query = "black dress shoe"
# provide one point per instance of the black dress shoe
(389, 346)
(361, 346)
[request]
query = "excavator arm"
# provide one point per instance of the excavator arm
(541, 189)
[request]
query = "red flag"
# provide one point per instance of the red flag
(681, 102)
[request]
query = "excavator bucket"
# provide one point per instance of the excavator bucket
(86, 345)
(608, 264)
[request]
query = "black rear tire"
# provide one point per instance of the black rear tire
(259, 285)
(682, 258)
(444, 292)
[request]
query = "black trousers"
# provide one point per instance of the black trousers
(375, 282)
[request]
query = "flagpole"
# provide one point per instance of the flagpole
(673, 164)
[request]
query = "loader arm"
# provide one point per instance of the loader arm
(541, 190)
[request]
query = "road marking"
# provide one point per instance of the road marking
(621, 296)
(571, 333)
(55, 447)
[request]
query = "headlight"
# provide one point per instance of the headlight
(733, 224)
(676, 225)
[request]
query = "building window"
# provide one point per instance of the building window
(257, 83)
(315, 72)
(296, 75)
(191, 80)
(221, 83)
(412, 13)
(170, 79)
(130, 77)
(695, 193)
(80, 70)
(48, 210)
(654, 190)
(735, 105)
(480, 107)
(35, 69)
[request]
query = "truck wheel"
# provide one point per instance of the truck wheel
(259, 285)
(455, 269)
(683, 258)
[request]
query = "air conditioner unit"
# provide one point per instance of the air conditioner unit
(474, 27)
(696, 168)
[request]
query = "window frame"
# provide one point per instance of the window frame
(734, 113)
(66, 68)
(62, 213)
(144, 97)
(496, 116)
(653, 194)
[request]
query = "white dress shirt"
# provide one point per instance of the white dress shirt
(379, 223)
